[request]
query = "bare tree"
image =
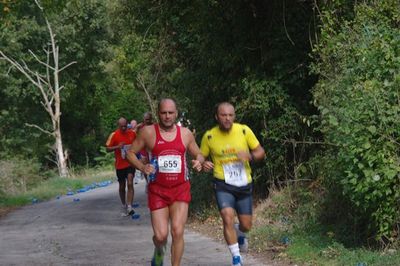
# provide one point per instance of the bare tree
(49, 87)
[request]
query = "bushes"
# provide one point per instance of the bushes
(18, 175)
(358, 97)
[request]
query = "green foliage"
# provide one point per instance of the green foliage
(288, 221)
(105, 159)
(203, 202)
(204, 52)
(357, 95)
(94, 94)
(19, 175)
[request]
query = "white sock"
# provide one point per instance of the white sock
(234, 249)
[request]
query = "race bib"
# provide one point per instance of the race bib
(124, 150)
(171, 164)
(235, 174)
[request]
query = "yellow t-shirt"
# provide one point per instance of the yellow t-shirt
(223, 147)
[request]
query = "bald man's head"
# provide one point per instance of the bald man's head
(122, 124)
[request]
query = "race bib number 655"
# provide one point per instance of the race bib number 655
(170, 164)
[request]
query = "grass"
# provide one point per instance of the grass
(286, 223)
(54, 187)
(315, 249)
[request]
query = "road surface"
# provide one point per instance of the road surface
(91, 231)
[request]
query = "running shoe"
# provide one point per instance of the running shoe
(243, 244)
(242, 240)
(123, 211)
(237, 261)
(158, 257)
(130, 211)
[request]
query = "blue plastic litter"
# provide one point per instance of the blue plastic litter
(76, 199)
(135, 205)
(135, 216)
(285, 220)
(34, 200)
(69, 193)
(285, 240)
(58, 197)
(104, 183)
(81, 190)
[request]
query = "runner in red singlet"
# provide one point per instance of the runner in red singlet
(169, 187)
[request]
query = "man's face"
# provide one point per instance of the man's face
(148, 119)
(122, 125)
(133, 124)
(167, 114)
(225, 116)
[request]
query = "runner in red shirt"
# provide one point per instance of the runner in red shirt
(119, 141)
(169, 187)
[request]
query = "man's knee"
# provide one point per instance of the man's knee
(122, 186)
(245, 224)
(228, 216)
(177, 231)
(130, 185)
(160, 237)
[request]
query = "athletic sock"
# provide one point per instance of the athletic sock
(234, 249)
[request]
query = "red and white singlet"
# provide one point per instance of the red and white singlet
(172, 169)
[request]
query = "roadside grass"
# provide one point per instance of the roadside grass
(56, 186)
(287, 224)
(315, 249)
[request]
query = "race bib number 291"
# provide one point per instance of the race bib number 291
(235, 174)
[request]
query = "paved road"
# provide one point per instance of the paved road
(92, 232)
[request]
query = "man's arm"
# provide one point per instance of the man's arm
(256, 154)
(194, 150)
(138, 144)
(110, 145)
(205, 151)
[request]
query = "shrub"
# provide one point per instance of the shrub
(18, 175)
(358, 99)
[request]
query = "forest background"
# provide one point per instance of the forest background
(318, 81)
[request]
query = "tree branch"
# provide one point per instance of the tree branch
(41, 129)
(284, 25)
(19, 67)
(64, 67)
(141, 83)
(40, 61)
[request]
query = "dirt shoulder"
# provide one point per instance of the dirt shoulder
(212, 228)
(5, 210)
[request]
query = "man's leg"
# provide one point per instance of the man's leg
(179, 213)
(122, 184)
(159, 221)
(245, 222)
(244, 209)
(130, 193)
(228, 219)
(226, 204)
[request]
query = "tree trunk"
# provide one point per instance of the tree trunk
(61, 155)
(50, 91)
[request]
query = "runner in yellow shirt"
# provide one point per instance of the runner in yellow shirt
(231, 147)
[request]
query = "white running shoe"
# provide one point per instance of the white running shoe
(130, 211)
(124, 212)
